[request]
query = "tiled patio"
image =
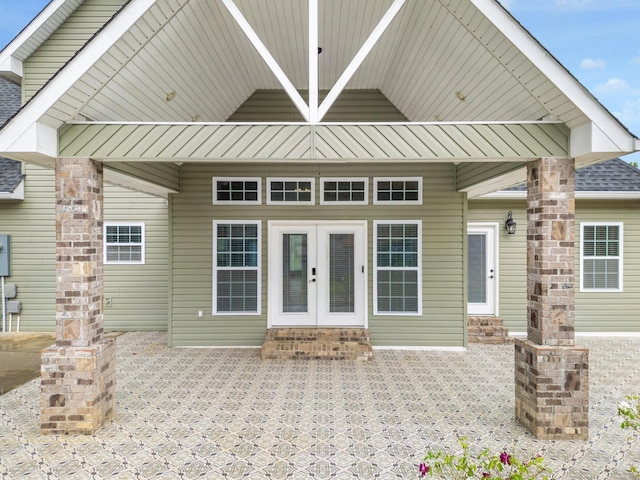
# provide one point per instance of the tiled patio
(225, 413)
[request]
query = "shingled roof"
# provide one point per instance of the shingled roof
(10, 170)
(611, 176)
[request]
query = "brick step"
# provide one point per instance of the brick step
(485, 321)
(487, 330)
(317, 343)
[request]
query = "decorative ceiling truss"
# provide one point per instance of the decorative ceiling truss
(312, 112)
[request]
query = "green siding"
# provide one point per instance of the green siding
(443, 320)
(138, 292)
(65, 42)
(600, 312)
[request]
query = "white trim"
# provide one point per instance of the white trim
(11, 66)
(584, 195)
(421, 349)
(418, 269)
(142, 243)
(177, 123)
(313, 61)
(607, 334)
(495, 229)
(311, 180)
(397, 202)
(556, 73)
(69, 75)
(324, 180)
(619, 257)
(17, 194)
(244, 180)
(271, 62)
(215, 268)
(357, 60)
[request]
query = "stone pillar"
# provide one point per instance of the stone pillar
(78, 373)
(551, 373)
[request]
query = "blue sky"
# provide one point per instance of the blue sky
(598, 41)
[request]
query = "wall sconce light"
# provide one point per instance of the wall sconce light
(171, 96)
(510, 224)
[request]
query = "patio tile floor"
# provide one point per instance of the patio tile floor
(225, 413)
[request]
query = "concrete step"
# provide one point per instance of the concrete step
(317, 343)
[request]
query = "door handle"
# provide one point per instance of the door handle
(313, 280)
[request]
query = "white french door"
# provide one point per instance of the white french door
(317, 274)
(482, 271)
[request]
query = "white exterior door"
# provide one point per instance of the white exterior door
(482, 270)
(317, 274)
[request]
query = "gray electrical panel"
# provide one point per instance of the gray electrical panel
(5, 255)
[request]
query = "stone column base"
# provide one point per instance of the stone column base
(78, 388)
(552, 390)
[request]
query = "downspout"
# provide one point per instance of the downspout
(4, 309)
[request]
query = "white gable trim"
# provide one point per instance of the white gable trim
(606, 122)
(10, 57)
(28, 117)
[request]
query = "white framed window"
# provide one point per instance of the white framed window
(123, 243)
(237, 190)
(290, 191)
(601, 266)
(389, 190)
(236, 267)
(397, 279)
(344, 191)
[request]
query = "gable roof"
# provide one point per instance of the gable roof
(443, 61)
(10, 171)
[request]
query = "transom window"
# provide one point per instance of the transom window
(291, 191)
(398, 190)
(236, 275)
(237, 190)
(124, 243)
(601, 257)
(397, 272)
(344, 190)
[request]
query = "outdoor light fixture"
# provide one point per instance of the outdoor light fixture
(510, 224)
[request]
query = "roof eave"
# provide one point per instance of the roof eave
(10, 61)
(612, 129)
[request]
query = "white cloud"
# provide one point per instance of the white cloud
(613, 85)
(590, 63)
(629, 115)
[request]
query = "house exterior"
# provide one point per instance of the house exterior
(318, 158)
(607, 203)
(135, 291)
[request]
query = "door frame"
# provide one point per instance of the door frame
(492, 229)
(273, 271)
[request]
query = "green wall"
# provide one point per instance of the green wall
(442, 213)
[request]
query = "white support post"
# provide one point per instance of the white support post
(359, 57)
(267, 57)
(313, 61)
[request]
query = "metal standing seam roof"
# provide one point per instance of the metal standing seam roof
(10, 170)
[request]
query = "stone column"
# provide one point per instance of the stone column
(551, 373)
(78, 373)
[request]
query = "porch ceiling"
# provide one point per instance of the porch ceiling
(188, 60)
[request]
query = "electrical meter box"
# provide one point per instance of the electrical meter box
(5, 255)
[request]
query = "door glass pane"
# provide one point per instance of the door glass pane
(341, 278)
(477, 268)
(294, 272)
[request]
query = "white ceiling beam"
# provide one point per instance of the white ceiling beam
(359, 57)
(313, 61)
(267, 57)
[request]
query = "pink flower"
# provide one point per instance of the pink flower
(505, 458)
(424, 469)
(486, 475)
